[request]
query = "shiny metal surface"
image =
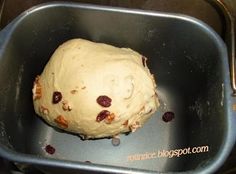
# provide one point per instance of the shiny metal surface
(187, 58)
(230, 39)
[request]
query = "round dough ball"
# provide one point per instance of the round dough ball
(95, 90)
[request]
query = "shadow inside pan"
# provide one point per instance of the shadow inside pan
(185, 57)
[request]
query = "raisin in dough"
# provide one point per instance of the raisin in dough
(95, 90)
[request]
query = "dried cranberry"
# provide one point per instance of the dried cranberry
(104, 101)
(168, 116)
(102, 115)
(49, 149)
(56, 97)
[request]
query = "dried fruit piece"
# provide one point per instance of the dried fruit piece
(49, 149)
(43, 110)
(168, 116)
(73, 91)
(102, 115)
(56, 97)
(61, 121)
(126, 123)
(110, 118)
(66, 106)
(37, 89)
(104, 101)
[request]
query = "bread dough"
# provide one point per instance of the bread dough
(95, 90)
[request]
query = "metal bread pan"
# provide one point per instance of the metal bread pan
(190, 64)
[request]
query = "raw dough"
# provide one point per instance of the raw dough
(95, 89)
